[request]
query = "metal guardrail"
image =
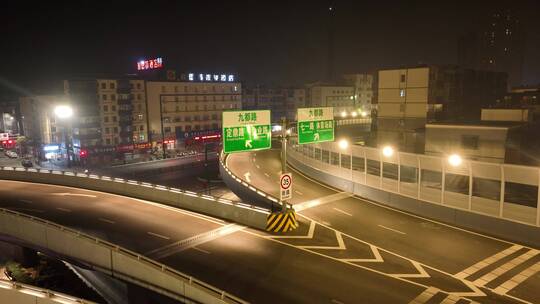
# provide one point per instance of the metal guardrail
(207, 288)
(33, 291)
(504, 191)
(223, 163)
(134, 182)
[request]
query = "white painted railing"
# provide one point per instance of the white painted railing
(14, 292)
(503, 191)
(238, 212)
(110, 258)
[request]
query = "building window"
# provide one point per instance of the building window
(113, 108)
(138, 86)
(108, 141)
(139, 107)
(142, 128)
(53, 129)
(469, 142)
(138, 96)
(114, 118)
(103, 85)
(115, 130)
(104, 97)
(116, 140)
(105, 108)
(106, 119)
(113, 97)
(188, 118)
(197, 127)
(402, 78)
(175, 89)
(141, 137)
(402, 93)
(214, 116)
(140, 116)
(111, 85)
(167, 129)
(163, 89)
(107, 130)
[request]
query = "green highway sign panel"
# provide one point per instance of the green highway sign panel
(315, 125)
(246, 131)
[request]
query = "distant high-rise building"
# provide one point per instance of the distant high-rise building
(497, 46)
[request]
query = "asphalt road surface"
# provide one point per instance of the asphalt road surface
(250, 264)
(450, 262)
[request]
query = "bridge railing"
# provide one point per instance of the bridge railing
(109, 258)
(12, 292)
(238, 212)
(504, 191)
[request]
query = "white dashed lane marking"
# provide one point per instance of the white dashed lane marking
(63, 209)
(158, 235)
(394, 230)
(298, 192)
(337, 302)
(267, 175)
(26, 201)
(201, 250)
(106, 220)
(341, 211)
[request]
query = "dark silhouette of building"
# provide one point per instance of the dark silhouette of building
(497, 46)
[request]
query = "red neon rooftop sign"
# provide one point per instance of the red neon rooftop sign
(150, 64)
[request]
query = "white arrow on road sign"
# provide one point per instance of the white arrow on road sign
(316, 136)
(248, 143)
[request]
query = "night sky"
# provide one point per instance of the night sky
(265, 42)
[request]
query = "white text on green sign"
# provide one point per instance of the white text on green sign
(246, 131)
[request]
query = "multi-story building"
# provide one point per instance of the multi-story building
(282, 102)
(9, 117)
(363, 89)
(38, 121)
(496, 46)
(178, 107)
(341, 97)
(409, 97)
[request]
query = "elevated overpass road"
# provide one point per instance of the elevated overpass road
(403, 241)
(242, 261)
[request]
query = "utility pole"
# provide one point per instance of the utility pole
(283, 153)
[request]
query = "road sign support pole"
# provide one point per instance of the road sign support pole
(283, 153)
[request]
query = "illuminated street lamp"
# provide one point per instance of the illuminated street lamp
(344, 114)
(64, 112)
(353, 114)
(455, 160)
(363, 114)
(388, 151)
(343, 144)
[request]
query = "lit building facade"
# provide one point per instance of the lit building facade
(179, 107)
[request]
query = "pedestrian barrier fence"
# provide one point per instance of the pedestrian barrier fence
(503, 191)
(14, 292)
(109, 258)
(239, 212)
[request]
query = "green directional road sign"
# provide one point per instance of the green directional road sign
(315, 125)
(246, 131)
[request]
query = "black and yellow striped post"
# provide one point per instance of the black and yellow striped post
(281, 221)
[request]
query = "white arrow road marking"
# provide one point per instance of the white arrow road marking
(73, 194)
(248, 143)
(247, 175)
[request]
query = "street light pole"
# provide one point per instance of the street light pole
(283, 153)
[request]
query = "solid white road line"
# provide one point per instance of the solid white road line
(106, 220)
(73, 194)
(159, 235)
(488, 261)
(394, 230)
(517, 279)
(336, 301)
(425, 296)
(26, 201)
(497, 272)
(201, 250)
(63, 209)
(339, 210)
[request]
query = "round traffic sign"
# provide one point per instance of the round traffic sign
(286, 181)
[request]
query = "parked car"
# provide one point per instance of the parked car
(11, 154)
(27, 163)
